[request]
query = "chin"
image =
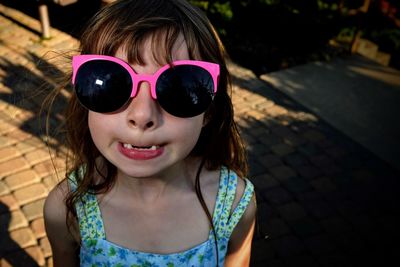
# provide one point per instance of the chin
(141, 171)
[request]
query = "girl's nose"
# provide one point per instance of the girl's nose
(143, 112)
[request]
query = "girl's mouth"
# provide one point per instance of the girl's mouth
(129, 146)
(140, 152)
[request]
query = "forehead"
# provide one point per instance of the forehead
(153, 50)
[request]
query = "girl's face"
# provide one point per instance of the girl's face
(143, 140)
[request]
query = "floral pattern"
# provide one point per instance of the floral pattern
(96, 251)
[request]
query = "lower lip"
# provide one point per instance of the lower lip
(140, 154)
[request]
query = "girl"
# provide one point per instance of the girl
(156, 164)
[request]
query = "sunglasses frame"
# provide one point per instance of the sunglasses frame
(212, 68)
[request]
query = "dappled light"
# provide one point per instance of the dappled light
(355, 86)
(388, 77)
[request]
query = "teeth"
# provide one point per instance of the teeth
(129, 146)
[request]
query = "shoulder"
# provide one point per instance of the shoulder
(246, 224)
(245, 208)
(244, 189)
(245, 197)
(55, 213)
(250, 211)
(54, 205)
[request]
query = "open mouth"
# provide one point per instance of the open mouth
(130, 146)
(144, 152)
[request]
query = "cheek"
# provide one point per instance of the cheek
(99, 126)
(188, 131)
(93, 122)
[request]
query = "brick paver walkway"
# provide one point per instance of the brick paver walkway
(323, 200)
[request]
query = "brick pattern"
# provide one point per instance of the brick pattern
(314, 186)
(322, 200)
(21, 179)
(30, 193)
(37, 227)
(26, 169)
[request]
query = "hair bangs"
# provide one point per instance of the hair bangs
(161, 41)
(107, 38)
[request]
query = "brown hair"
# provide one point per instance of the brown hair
(127, 23)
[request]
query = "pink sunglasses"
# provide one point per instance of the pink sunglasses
(184, 88)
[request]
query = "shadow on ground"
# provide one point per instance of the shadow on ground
(323, 199)
(357, 96)
(69, 18)
(30, 86)
(8, 246)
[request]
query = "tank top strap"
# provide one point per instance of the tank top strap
(225, 197)
(240, 208)
(225, 220)
(88, 212)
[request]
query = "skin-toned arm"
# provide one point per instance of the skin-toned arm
(64, 247)
(239, 248)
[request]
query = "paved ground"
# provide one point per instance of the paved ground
(357, 86)
(323, 199)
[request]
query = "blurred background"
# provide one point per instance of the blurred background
(270, 35)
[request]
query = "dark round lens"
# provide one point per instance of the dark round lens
(185, 90)
(102, 86)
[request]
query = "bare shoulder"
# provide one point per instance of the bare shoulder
(54, 206)
(249, 214)
(239, 248)
(63, 244)
(240, 189)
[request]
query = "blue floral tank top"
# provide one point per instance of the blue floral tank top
(96, 250)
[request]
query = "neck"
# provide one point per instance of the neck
(174, 181)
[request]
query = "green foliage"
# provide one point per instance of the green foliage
(223, 9)
(220, 9)
(261, 34)
(346, 34)
(270, 2)
(328, 5)
(388, 37)
(201, 4)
